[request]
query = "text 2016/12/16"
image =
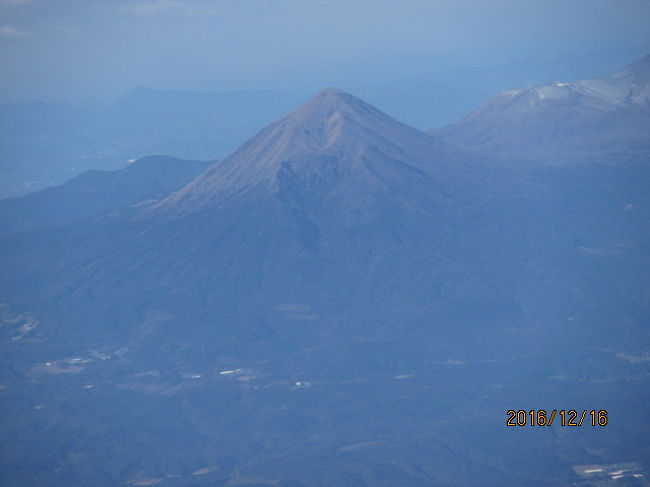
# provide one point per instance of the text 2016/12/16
(563, 417)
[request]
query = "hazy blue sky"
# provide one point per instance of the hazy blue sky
(94, 49)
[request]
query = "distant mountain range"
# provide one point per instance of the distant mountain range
(342, 300)
(44, 144)
(599, 119)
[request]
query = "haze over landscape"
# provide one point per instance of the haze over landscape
(325, 243)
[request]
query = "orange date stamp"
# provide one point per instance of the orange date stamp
(562, 417)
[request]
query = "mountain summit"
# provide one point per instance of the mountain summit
(334, 133)
(333, 117)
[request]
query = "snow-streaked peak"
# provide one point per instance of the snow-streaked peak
(629, 86)
(562, 121)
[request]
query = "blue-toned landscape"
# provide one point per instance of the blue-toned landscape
(281, 282)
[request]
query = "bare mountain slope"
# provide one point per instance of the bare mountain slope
(335, 137)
